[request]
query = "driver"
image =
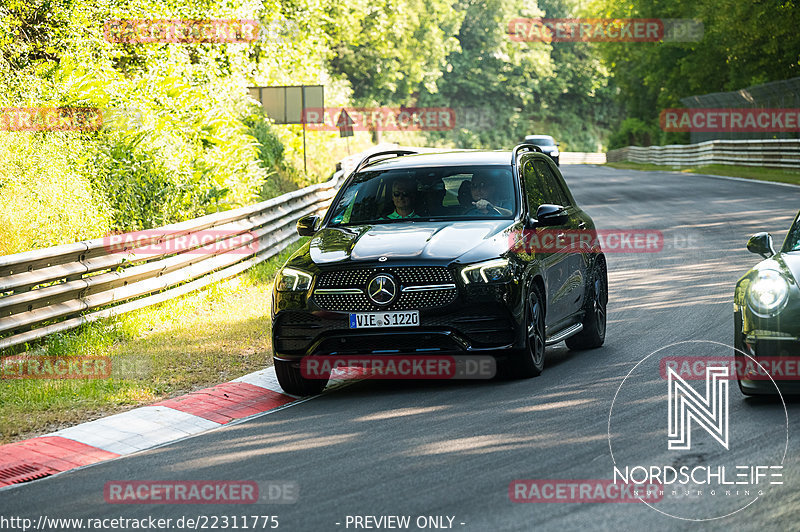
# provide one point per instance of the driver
(486, 198)
(403, 192)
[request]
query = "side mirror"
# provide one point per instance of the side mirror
(307, 225)
(549, 215)
(761, 243)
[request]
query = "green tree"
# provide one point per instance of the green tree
(523, 87)
(386, 49)
(744, 43)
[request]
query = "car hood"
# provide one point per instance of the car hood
(434, 241)
(786, 263)
(790, 263)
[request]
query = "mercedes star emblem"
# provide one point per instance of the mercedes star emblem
(381, 289)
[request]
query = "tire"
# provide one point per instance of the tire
(530, 362)
(292, 381)
(594, 321)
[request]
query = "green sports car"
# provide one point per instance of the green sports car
(766, 312)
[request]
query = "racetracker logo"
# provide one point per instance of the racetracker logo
(586, 241)
(200, 492)
(44, 367)
(604, 30)
(582, 491)
(155, 242)
(50, 119)
(778, 368)
(731, 120)
(399, 367)
(380, 118)
(180, 31)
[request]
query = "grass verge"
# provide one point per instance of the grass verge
(199, 340)
(746, 172)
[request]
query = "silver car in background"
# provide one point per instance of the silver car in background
(547, 143)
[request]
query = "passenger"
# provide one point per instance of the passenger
(403, 192)
(465, 195)
(434, 196)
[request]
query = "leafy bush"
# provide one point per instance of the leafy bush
(281, 176)
(44, 201)
(634, 132)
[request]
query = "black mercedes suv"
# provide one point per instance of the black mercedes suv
(455, 253)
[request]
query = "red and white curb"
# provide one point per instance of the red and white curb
(145, 427)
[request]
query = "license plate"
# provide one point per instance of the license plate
(371, 320)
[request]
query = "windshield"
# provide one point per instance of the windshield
(793, 238)
(452, 193)
(541, 141)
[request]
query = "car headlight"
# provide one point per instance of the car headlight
(491, 271)
(768, 292)
(291, 280)
(554, 153)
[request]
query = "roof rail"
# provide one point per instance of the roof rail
(522, 147)
(371, 156)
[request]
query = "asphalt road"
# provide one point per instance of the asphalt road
(451, 449)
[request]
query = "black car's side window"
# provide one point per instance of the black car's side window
(534, 186)
(553, 189)
(541, 185)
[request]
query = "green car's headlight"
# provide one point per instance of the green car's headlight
(491, 271)
(768, 292)
(291, 280)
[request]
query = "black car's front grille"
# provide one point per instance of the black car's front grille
(423, 275)
(418, 300)
(344, 302)
(417, 277)
(344, 279)
(407, 275)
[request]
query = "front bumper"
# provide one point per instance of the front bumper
(779, 356)
(298, 334)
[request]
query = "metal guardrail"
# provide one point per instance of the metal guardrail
(770, 153)
(56, 289)
(578, 157)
